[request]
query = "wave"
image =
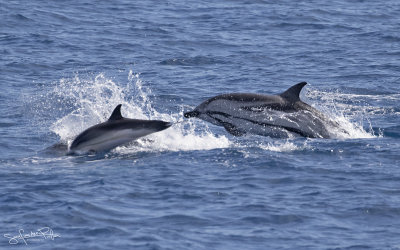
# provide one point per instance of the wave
(192, 61)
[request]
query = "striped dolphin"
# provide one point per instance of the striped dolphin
(114, 132)
(282, 115)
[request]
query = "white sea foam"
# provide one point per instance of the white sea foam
(284, 146)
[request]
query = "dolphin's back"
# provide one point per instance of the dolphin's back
(245, 97)
(245, 101)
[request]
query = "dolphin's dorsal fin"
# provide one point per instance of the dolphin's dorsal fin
(293, 93)
(116, 114)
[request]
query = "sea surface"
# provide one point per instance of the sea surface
(65, 65)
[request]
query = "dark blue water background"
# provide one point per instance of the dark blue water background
(64, 66)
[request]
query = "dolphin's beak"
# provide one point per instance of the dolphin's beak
(193, 113)
(164, 125)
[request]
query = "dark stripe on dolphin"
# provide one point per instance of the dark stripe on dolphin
(293, 130)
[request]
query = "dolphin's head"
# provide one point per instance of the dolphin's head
(190, 114)
(199, 111)
(160, 125)
(202, 112)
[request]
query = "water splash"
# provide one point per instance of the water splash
(91, 101)
(351, 115)
(284, 146)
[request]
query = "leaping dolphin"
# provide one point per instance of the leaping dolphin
(114, 132)
(280, 115)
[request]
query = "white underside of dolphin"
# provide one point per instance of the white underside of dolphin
(283, 115)
(115, 132)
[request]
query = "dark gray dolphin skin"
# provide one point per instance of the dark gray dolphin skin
(114, 132)
(282, 115)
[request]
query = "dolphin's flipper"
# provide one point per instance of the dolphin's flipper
(116, 114)
(232, 129)
(293, 93)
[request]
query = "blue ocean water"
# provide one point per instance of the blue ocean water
(64, 66)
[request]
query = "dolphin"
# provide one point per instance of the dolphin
(114, 132)
(283, 115)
